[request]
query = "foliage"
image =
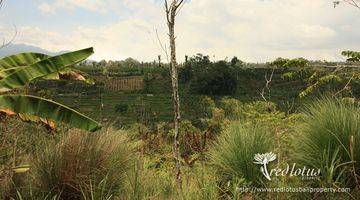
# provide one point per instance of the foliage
(19, 70)
(191, 139)
(284, 63)
(18, 141)
(334, 80)
(27, 68)
(220, 134)
(149, 183)
(231, 107)
(321, 81)
(80, 163)
(353, 56)
(208, 78)
(326, 139)
(46, 109)
(121, 108)
(235, 148)
(212, 119)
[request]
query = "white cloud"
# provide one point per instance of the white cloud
(46, 8)
(253, 30)
(56, 5)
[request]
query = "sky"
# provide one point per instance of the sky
(252, 30)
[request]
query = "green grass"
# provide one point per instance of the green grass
(327, 139)
(233, 153)
(82, 165)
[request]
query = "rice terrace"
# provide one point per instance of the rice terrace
(179, 99)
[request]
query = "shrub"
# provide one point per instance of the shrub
(231, 107)
(191, 140)
(82, 165)
(150, 183)
(18, 140)
(327, 139)
(263, 113)
(219, 78)
(233, 153)
(209, 78)
(121, 108)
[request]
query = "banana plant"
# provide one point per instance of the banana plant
(17, 71)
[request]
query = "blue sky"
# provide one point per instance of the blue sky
(253, 30)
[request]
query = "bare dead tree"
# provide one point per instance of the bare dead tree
(172, 8)
(268, 79)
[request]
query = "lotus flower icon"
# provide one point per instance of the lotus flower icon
(264, 159)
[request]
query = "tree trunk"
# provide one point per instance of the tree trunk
(172, 10)
(176, 98)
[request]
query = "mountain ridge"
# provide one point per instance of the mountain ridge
(12, 49)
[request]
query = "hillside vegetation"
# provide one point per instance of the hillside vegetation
(236, 116)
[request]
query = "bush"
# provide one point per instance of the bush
(18, 140)
(82, 165)
(121, 108)
(218, 79)
(233, 153)
(191, 141)
(209, 78)
(327, 139)
(231, 107)
(149, 183)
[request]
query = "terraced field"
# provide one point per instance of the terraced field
(153, 101)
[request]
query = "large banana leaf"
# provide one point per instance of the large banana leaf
(21, 60)
(45, 67)
(47, 109)
(10, 64)
(6, 72)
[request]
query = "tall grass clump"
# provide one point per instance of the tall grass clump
(144, 182)
(83, 165)
(233, 153)
(328, 138)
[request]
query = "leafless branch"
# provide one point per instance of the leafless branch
(173, 9)
(355, 3)
(7, 43)
(181, 5)
(267, 86)
(345, 87)
(163, 47)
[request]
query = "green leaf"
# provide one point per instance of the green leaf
(21, 169)
(21, 60)
(42, 68)
(31, 105)
(7, 72)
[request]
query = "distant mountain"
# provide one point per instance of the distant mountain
(20, 48)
